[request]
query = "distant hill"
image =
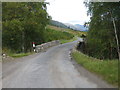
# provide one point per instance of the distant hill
(80, 27)
(77, 27)
(70, 26)
(58, 24)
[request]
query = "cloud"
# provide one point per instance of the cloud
(68, 10)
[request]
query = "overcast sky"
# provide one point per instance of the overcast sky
(68, 11)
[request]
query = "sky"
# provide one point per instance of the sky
(68, 11)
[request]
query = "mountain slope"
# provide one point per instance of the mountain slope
(58, 24)
(77, 27)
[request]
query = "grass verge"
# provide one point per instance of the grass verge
(20, 54)
(66, 41)
(107, 69)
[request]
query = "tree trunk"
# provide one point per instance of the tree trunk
(23, 49)
(116, 36)
(117, 41)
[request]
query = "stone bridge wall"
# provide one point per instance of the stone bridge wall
(44, 46)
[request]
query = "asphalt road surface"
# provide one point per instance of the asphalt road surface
(51, 69)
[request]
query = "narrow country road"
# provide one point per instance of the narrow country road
(50, 69)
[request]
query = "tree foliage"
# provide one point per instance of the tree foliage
(101, 41)
(23, 23)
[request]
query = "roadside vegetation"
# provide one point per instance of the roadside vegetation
(66, 41)
(53, 34)
(107, 69)
(72, 35)
(75, 33)
(103, 39)
(14, 55)
(23, 23)
(50, 35)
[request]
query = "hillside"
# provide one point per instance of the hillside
(55, 34)
(57, 24)
(75, 33)
(76, 27)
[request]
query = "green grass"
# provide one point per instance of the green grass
(66, 41)
(107, 69)
(52, 34)
(20, 55)
(13, 54)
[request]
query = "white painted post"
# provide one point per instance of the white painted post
(33, 46)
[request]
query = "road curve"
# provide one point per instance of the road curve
(50, 69)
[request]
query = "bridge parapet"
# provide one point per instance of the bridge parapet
(47, 45)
